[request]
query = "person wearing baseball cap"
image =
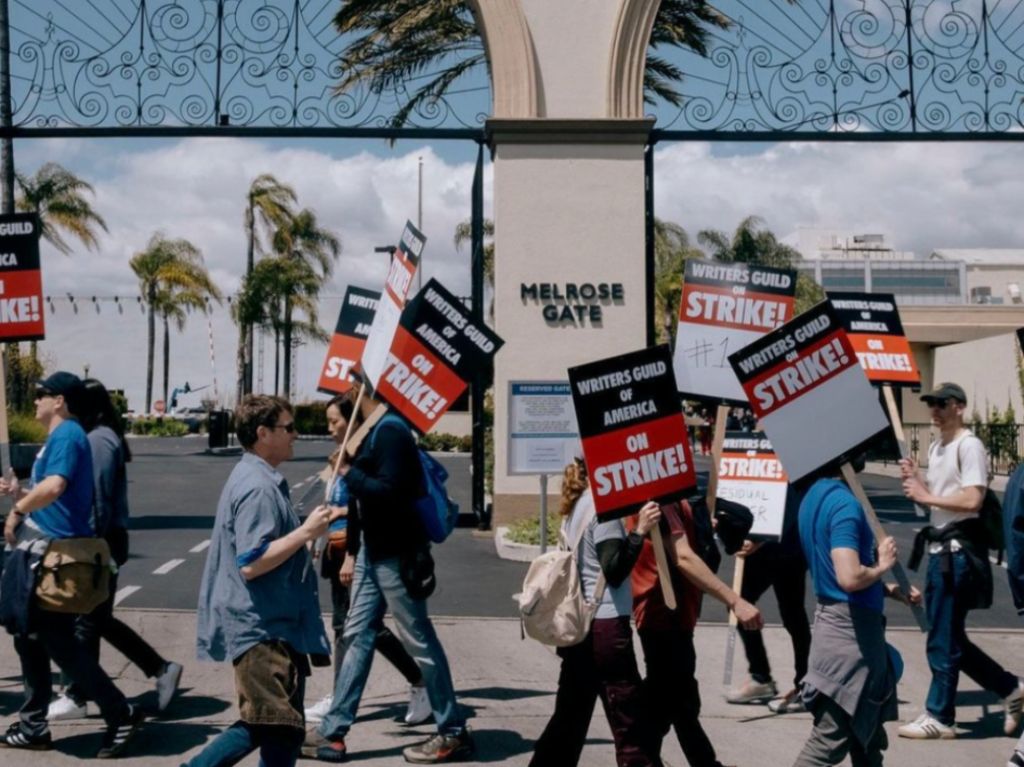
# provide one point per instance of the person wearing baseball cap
(959, 576)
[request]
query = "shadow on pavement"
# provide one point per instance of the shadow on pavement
(167, 522)
(184, 706)
(154, 739)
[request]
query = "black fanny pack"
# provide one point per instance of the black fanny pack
(416, 569)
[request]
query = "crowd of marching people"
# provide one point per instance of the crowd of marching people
(367, 542)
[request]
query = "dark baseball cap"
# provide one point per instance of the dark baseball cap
(61, 383)
(946, 391)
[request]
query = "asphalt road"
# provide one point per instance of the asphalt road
(174, 488)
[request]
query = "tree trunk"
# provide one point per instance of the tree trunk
(277, 361)
(167, 362)
(151, 343)
(247, 333)
(286, 347)
(240, 361)
(6, 114)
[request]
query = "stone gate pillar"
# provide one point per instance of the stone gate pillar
(568, 140)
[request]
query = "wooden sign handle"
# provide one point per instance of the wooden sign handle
(853, 482)
(664, 575)
(721, 417)
(901, 438)
(344, 442)
(730, 644)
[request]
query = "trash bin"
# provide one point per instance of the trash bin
(219, 421)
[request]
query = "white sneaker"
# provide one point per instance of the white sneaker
(316, 713)
(790, 703)
(167, 684)
(65, 708)
(753, 691)
(927, 727)
(1013, 704)
(419, 709)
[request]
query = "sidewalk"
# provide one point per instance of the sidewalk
(506, 686)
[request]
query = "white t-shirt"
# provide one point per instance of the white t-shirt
(962, 463)
(616, 600)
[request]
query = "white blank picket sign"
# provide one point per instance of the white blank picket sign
(805, 384)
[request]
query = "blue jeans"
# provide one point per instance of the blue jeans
(377, 587)
(947, 596)
(279, 746)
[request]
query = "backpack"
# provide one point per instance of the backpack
(991, 516)
(436, 510)
(552, 607)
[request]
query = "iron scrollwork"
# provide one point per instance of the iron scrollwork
(148, 63)
(857, 66)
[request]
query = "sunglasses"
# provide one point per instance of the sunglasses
(43, 393)
(288, 427)
(939, 402)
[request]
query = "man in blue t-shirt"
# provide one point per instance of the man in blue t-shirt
(849, 686)
(58, 504)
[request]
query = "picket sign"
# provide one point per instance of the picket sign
(901, 438)
(853, 482)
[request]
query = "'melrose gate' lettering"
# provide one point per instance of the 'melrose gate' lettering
(21, 281)
(634, 437)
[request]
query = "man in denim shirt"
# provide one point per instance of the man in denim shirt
(256, 608)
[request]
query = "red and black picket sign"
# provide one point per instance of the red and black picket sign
(634, 437)
(350, 333)
(805, 384)
(21, 279)
(872, 322)
(436, 349)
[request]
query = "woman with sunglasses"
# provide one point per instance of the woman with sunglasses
(110, 454)
(337, 568)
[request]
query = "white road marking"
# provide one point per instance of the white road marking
(166, 567)
(125, 592)
(199, 547)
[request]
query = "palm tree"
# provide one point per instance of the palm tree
(672, 249)
(309, 253)
(438, 42)
(58, 196)
(464, 234)
(752, 243)
(171, 277)
(174, 304)
(269, 204)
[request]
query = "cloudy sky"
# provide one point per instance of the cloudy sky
(922, 196)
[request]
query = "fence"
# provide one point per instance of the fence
(1003, 442)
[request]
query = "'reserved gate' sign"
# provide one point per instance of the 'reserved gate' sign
(346, 348)
(723, 307)
(21, 279)
(404, 262)
(805, 384)
(634, 437)
(750, 473)
(873, 325)
(436, 347)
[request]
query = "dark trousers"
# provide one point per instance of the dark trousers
(832, 739)
(947, 600)
(387, 644)
(786, 573)
(673, 697)
(53, 638)
(601, 666)
(101, 624)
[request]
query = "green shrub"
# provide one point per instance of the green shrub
(528, 530)
(446, 443)
(159, 427)
(25, 428)
(311, 417)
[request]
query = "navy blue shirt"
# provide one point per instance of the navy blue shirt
(235, 614)
(831, 517)
(66, 454)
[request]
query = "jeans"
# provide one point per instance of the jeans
(387, 644)
(832, 739)
(949, 650)
(377, 587)
(786, 573)
(53, 638)
(673, 696)
(278, 746)
(602, 665)
(101, 624)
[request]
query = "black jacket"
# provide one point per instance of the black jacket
(384, 481)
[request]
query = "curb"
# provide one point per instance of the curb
(515, 552)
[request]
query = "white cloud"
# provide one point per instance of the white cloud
(196, 189)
